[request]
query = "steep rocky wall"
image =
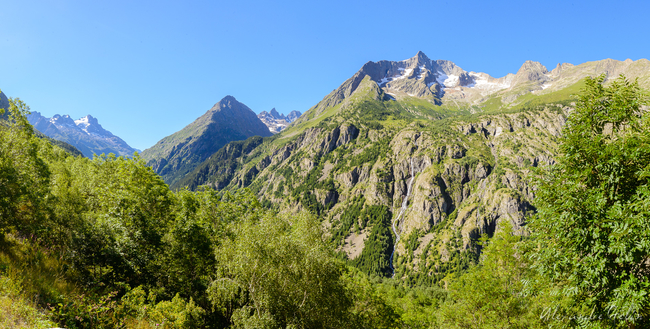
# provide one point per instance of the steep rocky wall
(469, 178)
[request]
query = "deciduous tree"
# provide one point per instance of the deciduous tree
(593, 225)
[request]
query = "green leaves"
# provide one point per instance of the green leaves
(198, 259)
(24, 177)
(592, 227)
(492, 294)
(280, 269)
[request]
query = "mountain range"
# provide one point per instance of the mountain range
(4, 104)
(86, 134)
(407, 163)
(228, 120)
(417, 155)
(276, 121)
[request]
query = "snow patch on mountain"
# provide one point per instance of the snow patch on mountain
(277, 122)
(448, 81)
(82, 123)
(485, 82)
(86, 134)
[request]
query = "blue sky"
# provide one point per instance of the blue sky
(146, 69)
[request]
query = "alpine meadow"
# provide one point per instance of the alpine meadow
(414, 195)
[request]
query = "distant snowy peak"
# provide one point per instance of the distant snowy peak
(86, 134)
(86, 121)
(442, 82)
(422, 77)
(484, 81)
(62, 120)
(275, 121)
(274, 113)
(83, 122)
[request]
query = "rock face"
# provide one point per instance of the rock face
(444, 83)
(228, 120)
(275, 121)
(530, 71)
(389, 141)
(86, 134)
(466, 182)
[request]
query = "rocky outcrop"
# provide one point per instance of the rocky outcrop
(530, 71)
(346, 134)
(326, 197)
(338, 136)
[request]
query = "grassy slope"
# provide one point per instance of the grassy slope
(23, 301)
(368, 104)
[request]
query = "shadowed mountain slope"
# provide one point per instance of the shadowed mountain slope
(228, 120)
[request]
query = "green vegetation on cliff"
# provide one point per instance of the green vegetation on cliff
(300, 233)
(369, 146)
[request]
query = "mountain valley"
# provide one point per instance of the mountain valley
(415, 195)
(471, 142)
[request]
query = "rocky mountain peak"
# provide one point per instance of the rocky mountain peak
(86, 121)
(557, 71)
(532, 66)
(177, 154)
(86, 134)
(293, 115)
(530, 71)
(226, 103)
(419, 59)
(228, 107)
(62, 120)
(227, 99)
(276, 121)
(276, 115)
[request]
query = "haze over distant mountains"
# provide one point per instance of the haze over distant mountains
(276, 121)
(86, 134)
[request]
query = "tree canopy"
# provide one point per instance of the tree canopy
(592, 229)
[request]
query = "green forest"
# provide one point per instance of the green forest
(105, 243)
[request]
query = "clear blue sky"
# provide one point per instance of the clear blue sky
(146, 69)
